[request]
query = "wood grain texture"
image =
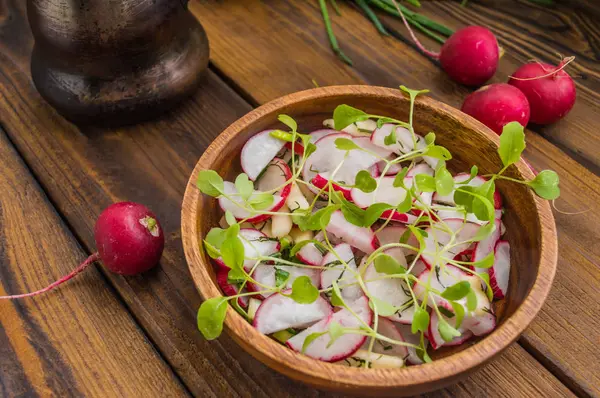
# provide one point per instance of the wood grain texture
(78, 339)
(85, 170)
(272, 31)
(529, 222)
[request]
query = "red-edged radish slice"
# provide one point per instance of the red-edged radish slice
(258, 152)
(339, 272)
(345, 345)
(435, 338)
(265, 275)
(256, 244)
(421, 168)
(418, 268)
(391, 171)
(388, 329)
(439, 279)
(240, 213)
(310, 253)
(298, 148)
(279, 312)
(475, 182)
(379, 135)
(393, 291)
(445, 214)
(392, 234)
(500, 271)
(321, 180)
(376, 361)
(482, 320)
(464, 232)
(315, 135)
(362, 238)
(276, 175)
(385, 193)
(412, 358)
(502, 228)
(426, 197)
(228, 288)
(485, 247)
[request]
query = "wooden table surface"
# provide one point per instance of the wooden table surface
(111, 336)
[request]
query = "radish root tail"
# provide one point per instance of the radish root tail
(90, 260)
(566, 61)
(420, 46)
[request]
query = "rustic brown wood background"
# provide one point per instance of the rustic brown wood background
(106, 335)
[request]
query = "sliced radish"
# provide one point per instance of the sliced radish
(338, 272)
(279, 312)
(258, 152)
(418, 268)
(376, 361)
(412, 358)
(435, 338)
(500, 271)
(315, 135)
(322, 179)
(385, 193)
(482, 320)
(391, 171)
(464, 232)
(379, 135)
(486, 246)
(475, 182)
(360, 237)
(310, 254)
(426, 197)
(240, 213)
(345, 345)
(392, 234)
(439, 279)
(256, 244)
(445, 214)
(393, 291)
(388, 329)
(328, 157)
(265, 275)
(421, 168)
(230, 289)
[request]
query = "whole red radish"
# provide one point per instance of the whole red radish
(470, 56)
(129, 240)
(496, 105)
(549, 89)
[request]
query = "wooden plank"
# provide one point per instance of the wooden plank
(78, 339)
(289, 39)
(287, 55)
(85, 170)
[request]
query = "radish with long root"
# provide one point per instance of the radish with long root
(470, 56)
(549, 89)
(129, 240)
(496, 105)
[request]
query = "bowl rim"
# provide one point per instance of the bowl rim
(318, 373)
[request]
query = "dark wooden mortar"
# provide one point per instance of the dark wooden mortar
(115, 61)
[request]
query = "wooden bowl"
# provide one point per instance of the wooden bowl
(528, 219)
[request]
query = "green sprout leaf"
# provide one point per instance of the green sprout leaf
(282, 135)
(444, 183)
(406, 204)
(438, 152)
(296, 248)
(210, 183)
(413, 93)
(446, 331)
(474, 171)
(420, 320)
(430, 138)
(336, 295)
(445, 312)
(309, 149)
(352, 213)
(213, 241)
(364, 181)
(335, 332)
(261, 201)
(459, 312)
(471, 301)
(211, 316)
(390, 139)
(486, 262)
(375, 211)
(244, 186)
(456, 291)
(310, 338)
(399, 179)
(345, 144)
(512, 143)
(483, 232)
(382, 307)
(288, 121)
(488, 289)
(344, 115)
(230, 218)
(303, 291)
(281, 277)
(386, 264)
(425, 183)
(545, 185)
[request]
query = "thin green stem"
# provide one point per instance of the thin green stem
(332, 39)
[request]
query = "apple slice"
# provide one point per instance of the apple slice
(258, 152)
(322, 348)
(233, 204)
(388, 329)
(362, 238)
(393, 291)
(279, 312)
(500, 271)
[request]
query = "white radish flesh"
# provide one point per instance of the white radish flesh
(486, 246)
(342, 274)
(279, 312)
(421, 168)
(256, 244)
(344, 346)
(376, 361)
(412, 358)
(438, 279)
(438, 233)
(360, 237)
(500, 271)
(388, 329)
(264, 274)
(435, 338)
(379, 135)
(258, 152)
(240, 213)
